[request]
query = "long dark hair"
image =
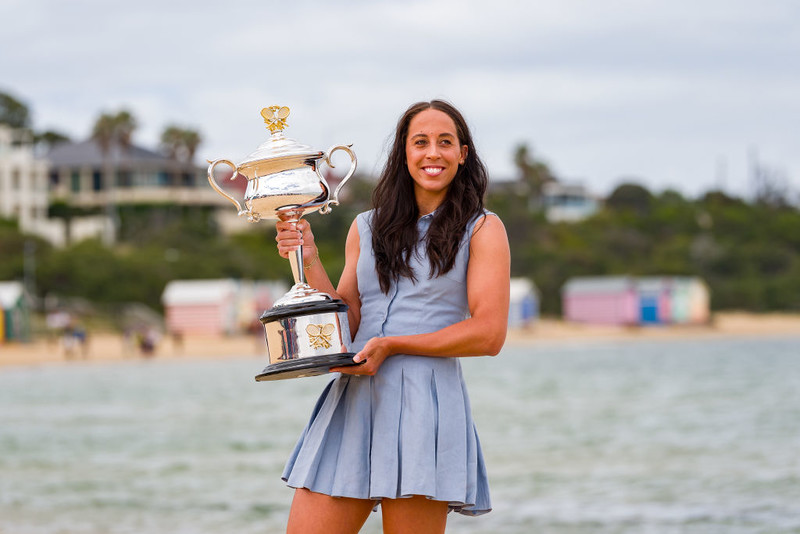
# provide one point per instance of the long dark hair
(394, 223)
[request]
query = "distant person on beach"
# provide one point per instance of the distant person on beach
(426, 279)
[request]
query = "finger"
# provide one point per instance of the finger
(359, 369)
(345, 370)
(285, 226)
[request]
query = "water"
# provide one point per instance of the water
(685, 436)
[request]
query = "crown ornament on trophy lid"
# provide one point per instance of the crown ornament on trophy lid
(306, 331)
(275, 117)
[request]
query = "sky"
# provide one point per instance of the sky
(671, 94)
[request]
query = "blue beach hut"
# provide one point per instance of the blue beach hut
(654, 300)
(523, 307)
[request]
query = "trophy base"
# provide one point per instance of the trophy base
(306, 339)
(312, 366)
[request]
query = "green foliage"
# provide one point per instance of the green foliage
(749, 254)
(14, 112)
(630, 197)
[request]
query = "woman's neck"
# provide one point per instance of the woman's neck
(427, 204)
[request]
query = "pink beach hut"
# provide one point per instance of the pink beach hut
(200, 306)
(601, 300)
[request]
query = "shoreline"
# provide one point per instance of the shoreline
(723, 324)
(104, 347)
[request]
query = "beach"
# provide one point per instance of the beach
(105, 346)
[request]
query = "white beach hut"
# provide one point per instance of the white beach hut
(14, 312)
(690, 300)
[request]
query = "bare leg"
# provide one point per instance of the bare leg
(414, 515)
(315, 513)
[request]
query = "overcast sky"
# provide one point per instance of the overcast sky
(671, 93)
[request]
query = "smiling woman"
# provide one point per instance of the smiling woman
(426, 279)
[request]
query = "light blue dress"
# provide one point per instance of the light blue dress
(408, 430)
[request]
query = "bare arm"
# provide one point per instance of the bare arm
(484, 332)
(290, 236)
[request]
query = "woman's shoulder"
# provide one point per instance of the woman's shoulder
(364, 221)
(487, 223)
(480, 218)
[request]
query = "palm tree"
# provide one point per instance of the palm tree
(180, 144)
(112, 130)
(533, 172)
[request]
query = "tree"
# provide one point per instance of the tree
(13, 112)
(112, 130)
(180, 144)
(50, 138)
(533, 173)
(631, 196)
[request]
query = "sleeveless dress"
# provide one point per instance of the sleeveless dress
(408, 430)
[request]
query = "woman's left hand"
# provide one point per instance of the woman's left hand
(373, 354)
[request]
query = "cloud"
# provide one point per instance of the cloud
(660, 89)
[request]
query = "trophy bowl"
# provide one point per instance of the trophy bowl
(306, 331)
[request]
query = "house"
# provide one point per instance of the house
(23, 181)
(568, 202)
(85, 176)
(138, 175)
(523, 309)
(14, 312)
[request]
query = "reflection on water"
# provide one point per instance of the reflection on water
(680, 436)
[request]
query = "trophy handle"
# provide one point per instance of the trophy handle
(217, 188)
(326, 208)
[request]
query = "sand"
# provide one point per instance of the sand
(112, 347)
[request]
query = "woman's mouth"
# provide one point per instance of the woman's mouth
(433, 171)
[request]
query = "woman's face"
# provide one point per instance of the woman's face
(433, 154)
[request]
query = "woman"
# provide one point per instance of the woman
(426, 278)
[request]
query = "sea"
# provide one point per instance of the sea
(636, 436)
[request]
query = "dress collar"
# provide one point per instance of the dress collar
(428, 215)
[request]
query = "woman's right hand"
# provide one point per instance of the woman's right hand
(292, 235)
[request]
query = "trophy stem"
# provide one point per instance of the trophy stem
(292, 215)
(296, 261)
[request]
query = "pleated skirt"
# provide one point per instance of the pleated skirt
(406, 431)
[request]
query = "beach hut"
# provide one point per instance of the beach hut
(601, 300)
(14, 312)
(523, 307)
(200, 306)
(690, 300)
(254, 298)
(655, 300)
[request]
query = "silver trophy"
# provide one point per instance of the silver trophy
(306, 331)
